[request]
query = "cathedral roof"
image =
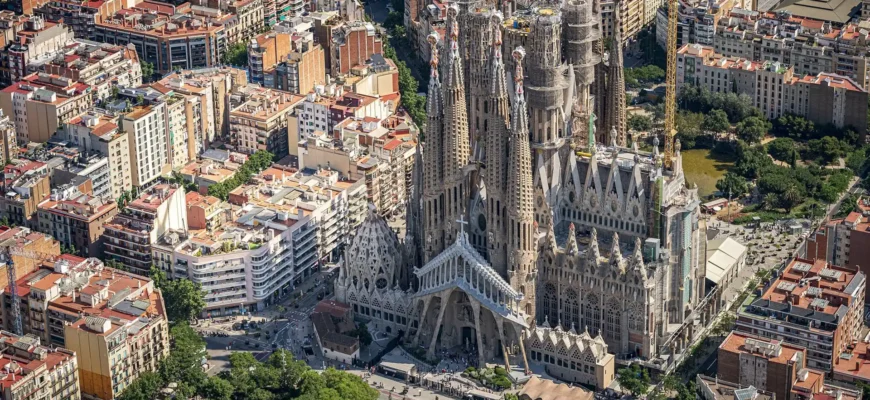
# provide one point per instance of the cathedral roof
(544, 336)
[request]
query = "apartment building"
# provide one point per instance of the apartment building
(98, 132)
(322, 110)
(241, 19)
(114, 321)
(129, 236)
(28, 241)
(811, 46)
(80, 16)
(265, 51)
(164, 37)
(260, 123)
(76, 220)
(764, 364)
(30, 370)
(377, 77)
(149, 151)
(775, 88)
(697, 20)
(8, 138)
(352, 44)
(72, 165)
(205, 212)
(205, 173)
(275, 11)
(382, 153)
(304, 68)
(37, 40)
(214, 88)
(284, 227)
(811, 304)
(775, 367)
(843, 241)
(40, 103)
(99, 65)
(27, 183)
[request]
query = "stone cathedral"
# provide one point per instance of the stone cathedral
(531, 211)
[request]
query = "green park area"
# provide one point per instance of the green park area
(787, 167)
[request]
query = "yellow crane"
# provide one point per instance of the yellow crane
(671, 83)
(7, 254)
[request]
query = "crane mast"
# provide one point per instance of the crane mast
(670, 130)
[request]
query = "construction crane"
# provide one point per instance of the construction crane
(7, 254)
(671, 83)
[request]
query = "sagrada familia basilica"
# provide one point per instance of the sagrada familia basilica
(536, 225)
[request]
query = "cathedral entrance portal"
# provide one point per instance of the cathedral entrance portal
(469, 338)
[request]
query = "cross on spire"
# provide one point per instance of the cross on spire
(462, 222)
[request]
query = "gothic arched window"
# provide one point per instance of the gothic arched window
(592, 314)
(613, 323)
(551, 303)
(572, 310)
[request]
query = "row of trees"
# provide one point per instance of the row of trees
(256, 162)
(736, 107)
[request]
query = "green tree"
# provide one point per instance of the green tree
(145, 387)
(752, 129)
(184, 298)
(147, 71)
(732, 184)
(217, 388)
(184, 364)
(236, 55)
(793, 126)
(362, 332)
(790, 199)
(825, 150)
(639, 122)
(783, 149)
(689, 127)
(634, 379)
(716, 121)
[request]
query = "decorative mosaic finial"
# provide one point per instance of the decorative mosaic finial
(519, 54)
(433, 58)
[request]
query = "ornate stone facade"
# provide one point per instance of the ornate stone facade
(504, 224)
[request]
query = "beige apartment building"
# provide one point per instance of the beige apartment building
(149, 154)
(36, 40)
(41, 102)
(29, 241)
(8, 138)
(260, 123)
(101, 66)
(97, 132)
(775, 88)
(265, 51)
(304, 68)
(214, 88)
(27, 183)
(32, 371)
(241, 19)
(114, 321)
(76, 220)
(810, 46)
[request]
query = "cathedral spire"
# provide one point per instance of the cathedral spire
(433, 174)
(571, 245)
(520, 227)
(496, 137)
(616, 254)
(456, 150)
(615, 119)
(593, 254)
